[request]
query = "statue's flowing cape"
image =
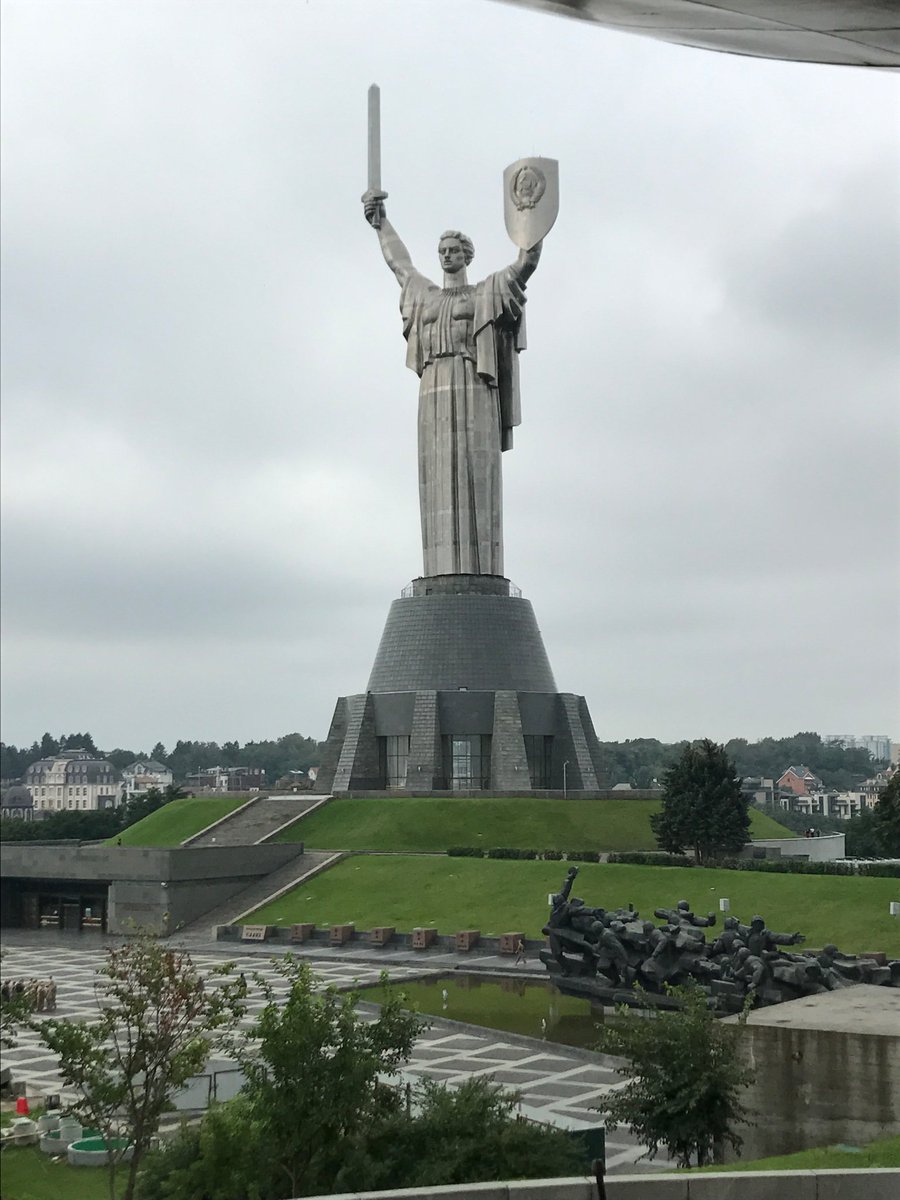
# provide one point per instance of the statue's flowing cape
(499, 336)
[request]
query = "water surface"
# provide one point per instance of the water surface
(530, 1007)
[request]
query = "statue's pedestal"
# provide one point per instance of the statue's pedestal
(461, 698)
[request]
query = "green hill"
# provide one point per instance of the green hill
(497, 896)
(422, 824)
(181, 819)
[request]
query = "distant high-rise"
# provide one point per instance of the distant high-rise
(878, 744)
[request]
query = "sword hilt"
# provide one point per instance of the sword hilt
(375, 197)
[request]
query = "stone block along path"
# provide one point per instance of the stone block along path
(557, 1084)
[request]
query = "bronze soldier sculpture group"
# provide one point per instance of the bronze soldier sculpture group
(602, 953)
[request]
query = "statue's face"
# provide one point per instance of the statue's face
(452, 255)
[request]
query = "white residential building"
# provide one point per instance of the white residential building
(145, 774)
(73, 779)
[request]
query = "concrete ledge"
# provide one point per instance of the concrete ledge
(733, 1185)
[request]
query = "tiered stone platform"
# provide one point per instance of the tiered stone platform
(462, 672)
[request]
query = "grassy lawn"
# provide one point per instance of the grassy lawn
(30, 1175)
(826, 1158)
(180, 819)
(497, 896)
(420, 823)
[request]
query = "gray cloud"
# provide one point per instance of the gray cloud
(209, 434)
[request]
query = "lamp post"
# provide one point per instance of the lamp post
(565, 780)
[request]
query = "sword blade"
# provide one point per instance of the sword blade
(374, 138)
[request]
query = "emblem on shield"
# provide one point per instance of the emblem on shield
(530, 199)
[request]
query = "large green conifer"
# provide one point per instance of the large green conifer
(702, 807)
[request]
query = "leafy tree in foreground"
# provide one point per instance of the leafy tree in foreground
(316, 1115)
(467, 1135)
(315, 1081)
(702, 805)
(685, 1075)
(156, 1020)
(887, 814)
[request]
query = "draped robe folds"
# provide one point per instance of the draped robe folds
(463, 343)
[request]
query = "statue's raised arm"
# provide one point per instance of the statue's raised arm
(527, 261)
(395, 252)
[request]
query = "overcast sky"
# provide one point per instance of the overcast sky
(209, 451)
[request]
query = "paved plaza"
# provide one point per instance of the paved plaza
(557, 1084)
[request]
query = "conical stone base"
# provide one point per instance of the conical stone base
(461, 698)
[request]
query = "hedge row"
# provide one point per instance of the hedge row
(644, 858)
(774, 866)
(509, 852)
(651, 858)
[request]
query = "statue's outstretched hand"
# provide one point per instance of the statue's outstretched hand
(373, 207)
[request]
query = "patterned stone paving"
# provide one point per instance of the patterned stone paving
(557, 1085)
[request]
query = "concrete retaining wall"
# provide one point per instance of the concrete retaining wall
(827, 848)
(750, 1185)
(157, 890)
(819, 1087)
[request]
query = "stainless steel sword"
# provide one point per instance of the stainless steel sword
(374, 190)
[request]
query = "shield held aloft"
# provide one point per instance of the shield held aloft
(530, 199)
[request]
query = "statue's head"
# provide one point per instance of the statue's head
(683, 906)
(455, 251)
(731, 922)
(757, 923)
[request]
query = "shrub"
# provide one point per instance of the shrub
(466, 852)
(583, 855)
(771, 866)
(650, 858)
(508, 852)
(799, 866)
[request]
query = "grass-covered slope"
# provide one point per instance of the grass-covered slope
(876, 1155)
(498, 896)
(421, 824)
(180, 819)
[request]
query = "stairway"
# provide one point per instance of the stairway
(301, 867)
(256, 820)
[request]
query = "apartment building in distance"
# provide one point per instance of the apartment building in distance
(879, 745)
(143, 775)
(73, 780)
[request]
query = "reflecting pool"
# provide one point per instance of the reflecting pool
(530, 1007)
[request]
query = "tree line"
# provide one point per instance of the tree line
(642, 762)
(83, 826)
(292, 752)
(704, 809)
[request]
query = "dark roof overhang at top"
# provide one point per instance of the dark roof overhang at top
(859, 33)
